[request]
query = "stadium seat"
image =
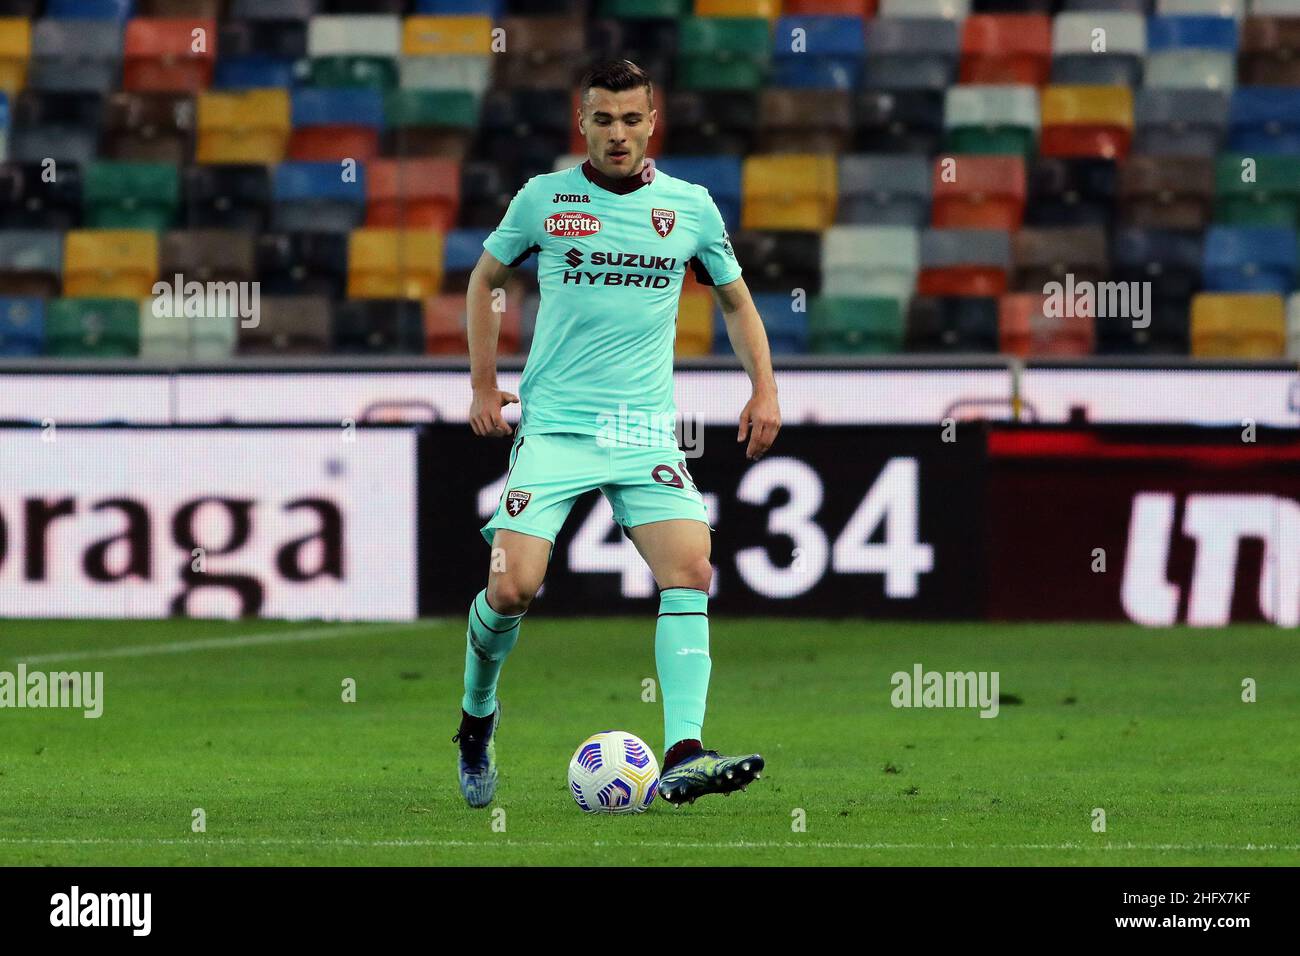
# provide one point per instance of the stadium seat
(1071, 192)
(1043, 255)
(1189, 52)
(289, 325)
(527, 129)
(720, 175)
(150, 127)
(1074, 60)
(805, 121)
(898, 121)
(1270, 50)
(787, 326)
(642, 9)
(15, 53)
(1264, 119)
(124, 195)
(411, 193)
(336, 124)
(354, 50)
(1257, 191)
(64, 127)
(110, 263)
(1180, 122)
(284, 10)
(163, 338)
(694, 323)
(780, 262)
(461, 250)
(989, 119)
(544, 51)
(119, 10)
(1210, 8)
(103, 327)
(828, 58)
(246, 126)
(855, 326)
(208, 255)
(1292, 326)
(789, 191)
(32, 196)
(1238, 326)
(260, 54)
(379, 327)
(948, 9)
(911, 54)
(66, 57)
(438, 123)
(1086, 121)
(1166, 192)
(446, 53)
(22, 326)
(227, 197)
(1025, 328)
(723, 123)
(964, 262)
(1006, 48)
(862, 9)
(737, 8)
(1170, 261)
(167, 55)
(317, 197)
(716, 53)
(394, 263)
(445, 325)
(960, 324)
(978, 192)
(303, 263)
(870, 261)
(31, 262)
(1249, 259)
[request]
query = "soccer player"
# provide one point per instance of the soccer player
(614, 238)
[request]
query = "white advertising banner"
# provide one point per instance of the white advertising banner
(208, 522)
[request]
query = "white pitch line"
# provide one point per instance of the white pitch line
(225, 643)
(639, 844)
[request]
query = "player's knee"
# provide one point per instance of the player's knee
(697, 574)
(509, 596)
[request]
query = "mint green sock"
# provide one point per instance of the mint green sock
(682, 658)
(490, 638)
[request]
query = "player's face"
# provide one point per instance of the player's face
(617, 127)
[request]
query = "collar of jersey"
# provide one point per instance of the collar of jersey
(622, 184)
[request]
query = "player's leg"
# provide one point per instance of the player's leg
(656, 500)
(546, 474)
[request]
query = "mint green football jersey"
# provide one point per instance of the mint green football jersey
(610, 270)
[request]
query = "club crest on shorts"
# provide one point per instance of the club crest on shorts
(517, 501)
(663, 220)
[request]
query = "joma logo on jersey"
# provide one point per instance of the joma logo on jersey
(663, 220)
(571, 197)
(517, 501)
(572, 223)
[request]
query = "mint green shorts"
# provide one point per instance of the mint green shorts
(548, 472)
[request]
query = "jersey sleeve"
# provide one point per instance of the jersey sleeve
(515, 239)
(714, 261)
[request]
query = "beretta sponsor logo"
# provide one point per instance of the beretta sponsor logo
(572, 223)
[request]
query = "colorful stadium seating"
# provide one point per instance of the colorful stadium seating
(916, 170)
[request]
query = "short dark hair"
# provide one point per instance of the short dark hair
(616, 76)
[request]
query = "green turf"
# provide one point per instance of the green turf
(1147, 724)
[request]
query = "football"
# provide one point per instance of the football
(613, 772)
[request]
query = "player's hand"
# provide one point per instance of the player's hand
(485, 413)
(760, 419)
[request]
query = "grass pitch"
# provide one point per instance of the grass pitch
(246, 721)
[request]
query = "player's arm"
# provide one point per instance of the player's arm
(760, 419)
(483, 326)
